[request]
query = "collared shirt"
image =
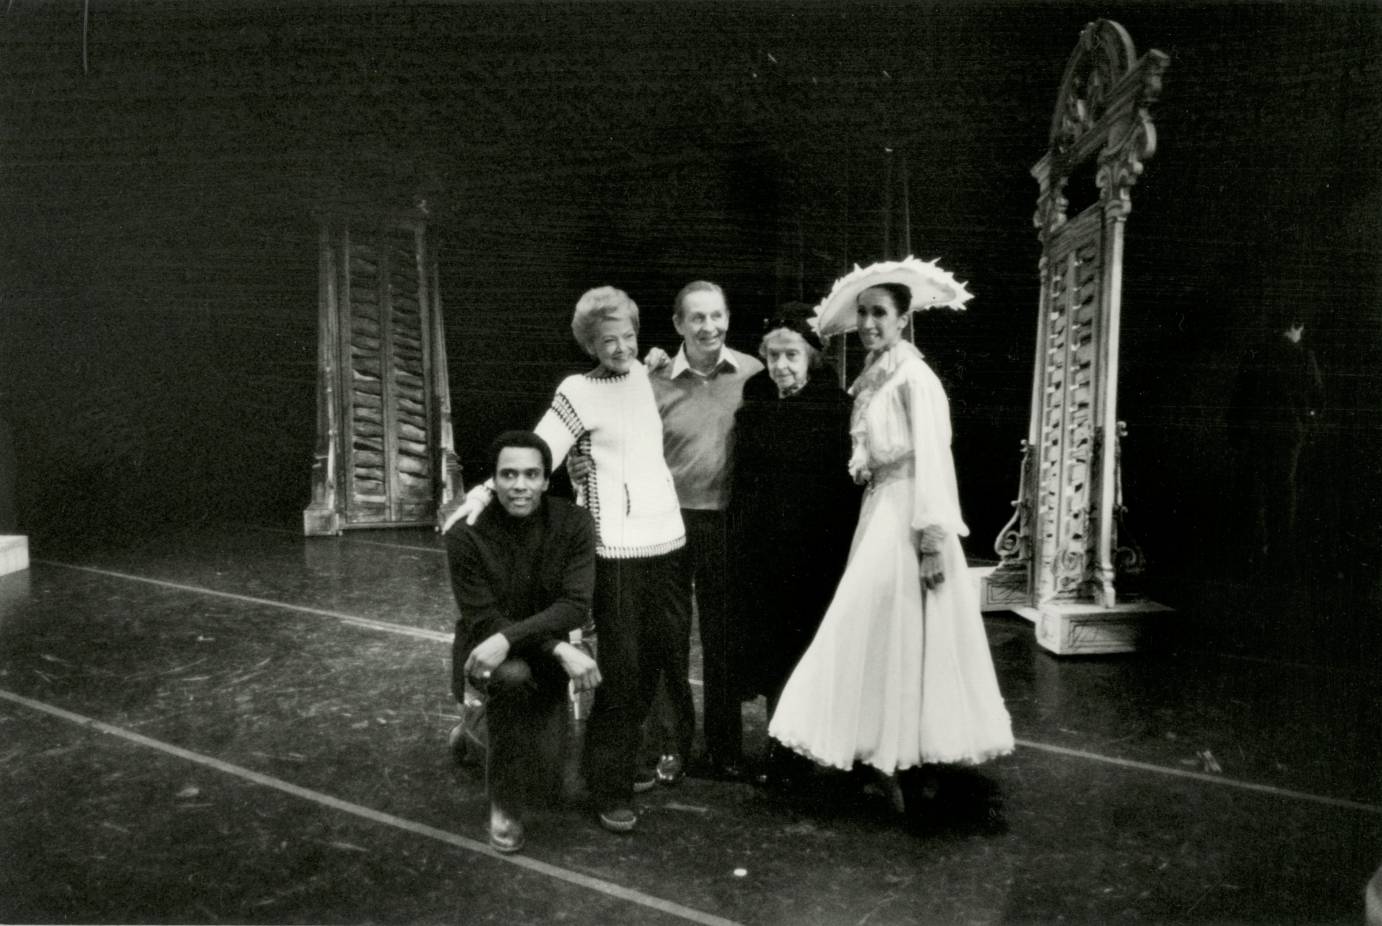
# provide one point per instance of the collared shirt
(697, 412)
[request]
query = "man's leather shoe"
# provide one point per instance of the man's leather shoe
(618, 819)
(775, 778)
(727, 771)
(716, 769)
(645, 779)
(505, 832)
(670, 769)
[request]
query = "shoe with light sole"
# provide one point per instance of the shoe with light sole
(618, 819)
(505, 832)
(645, 780)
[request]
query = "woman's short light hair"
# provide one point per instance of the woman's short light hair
(603, 303)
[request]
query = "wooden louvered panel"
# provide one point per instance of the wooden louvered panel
(368, 457)
(385, 455)
(413, 480)
(1064, 532)
(390, 472)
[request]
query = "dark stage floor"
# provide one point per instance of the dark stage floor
(238, 724)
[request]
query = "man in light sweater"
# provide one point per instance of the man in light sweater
(698, 393)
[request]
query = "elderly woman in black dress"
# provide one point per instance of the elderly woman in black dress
(793, 508)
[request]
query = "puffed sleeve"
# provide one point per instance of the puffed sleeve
(936, 500)
(858, 466)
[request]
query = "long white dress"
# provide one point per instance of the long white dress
(898, 675)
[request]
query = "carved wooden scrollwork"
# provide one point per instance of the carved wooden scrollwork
(1102, 112)
(1051, 207)
(1132, 139)
(1103, 55)
(1014, 543)
(1128, 558)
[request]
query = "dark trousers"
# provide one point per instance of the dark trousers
(526, 710)
(1272, 468)
(707, 549)
(642, 627)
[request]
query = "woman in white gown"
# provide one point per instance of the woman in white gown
(899, 673)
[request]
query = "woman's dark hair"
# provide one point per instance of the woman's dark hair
(902, 296)
(520, 439)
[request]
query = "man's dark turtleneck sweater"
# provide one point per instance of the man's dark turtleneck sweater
(530, 578)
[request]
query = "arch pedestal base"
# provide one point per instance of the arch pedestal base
(1072, 628)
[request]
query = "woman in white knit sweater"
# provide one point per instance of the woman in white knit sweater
(641, 584)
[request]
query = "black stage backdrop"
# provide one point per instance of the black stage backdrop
(160, 169)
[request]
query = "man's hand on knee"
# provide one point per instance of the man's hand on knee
(487, 656)
(579, 666)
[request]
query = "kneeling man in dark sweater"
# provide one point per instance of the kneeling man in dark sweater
(523, 575)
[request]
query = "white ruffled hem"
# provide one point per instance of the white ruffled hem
(986, 755)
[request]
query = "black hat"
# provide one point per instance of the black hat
(795, 316)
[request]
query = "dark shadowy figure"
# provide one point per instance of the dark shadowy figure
(1277, 396)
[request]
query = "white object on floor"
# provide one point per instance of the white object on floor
(14, 553)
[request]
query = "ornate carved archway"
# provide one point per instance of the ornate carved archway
(1065, 553)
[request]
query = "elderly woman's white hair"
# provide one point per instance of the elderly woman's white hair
(602, 303)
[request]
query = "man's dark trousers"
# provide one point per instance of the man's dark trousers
(706, 546)
(526, 712)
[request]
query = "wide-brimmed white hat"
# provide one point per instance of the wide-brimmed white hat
(930, 285)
